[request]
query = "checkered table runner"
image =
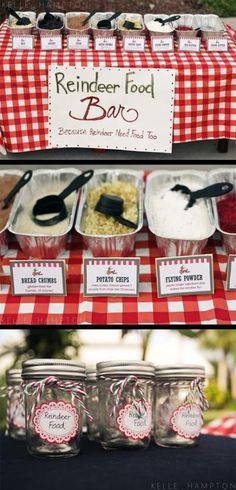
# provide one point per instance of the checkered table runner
(205, 98)
(226, 426)
(76, 309)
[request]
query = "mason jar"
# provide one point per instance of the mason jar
(92, 405)
(54, 403)
(125, 403)
(15, 405)
(179, 405)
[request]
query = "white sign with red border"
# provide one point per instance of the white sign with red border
(135, 420)
(185, 275)
(189, 44)
(23, 42)
(111, 277)
(162, 43)
(231, 273)
(51, 42)
(217, 44)
(105, 43)
(77, 42)
(38, 277)
(102, 107)
(56, 422)
(134, 43)
(187, 421)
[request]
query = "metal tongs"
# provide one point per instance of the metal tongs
(214, 190)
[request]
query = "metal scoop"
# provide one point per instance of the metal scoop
(114, 206)
(54, 204)
(206, 193)
(22, 21)
(106, 23)
(21, 183)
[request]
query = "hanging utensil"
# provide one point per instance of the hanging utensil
(21, 183)
(215, 190)
(54, 204)
(106, 23)
(21, 21)
(114, 206)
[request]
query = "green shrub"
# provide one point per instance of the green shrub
(223, 8)
(216, 397)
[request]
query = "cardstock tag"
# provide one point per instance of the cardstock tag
(23, 42)
(38, 277)
(162, 43)
(231, 273)
(217, 44)
(77, 42)
(177, 276)
(111, 277)
(134, 43)
(105, 43)
(51, 42)
(189, 44)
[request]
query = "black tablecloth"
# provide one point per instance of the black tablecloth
(210, 466)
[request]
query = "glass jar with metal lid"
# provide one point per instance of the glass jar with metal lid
(15, 405)
(179, 405)
(92, 405)
(125, 403)
(54, 401)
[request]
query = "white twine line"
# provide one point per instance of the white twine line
(36, 388)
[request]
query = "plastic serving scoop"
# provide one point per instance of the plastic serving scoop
(129, 25)
(114, 206)
(89, 17)
(54, 204)
(169, 19)
(21, 21)
(215, 190)
(21, 183)
(106, 23)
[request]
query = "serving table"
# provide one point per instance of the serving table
(76, 309)
(205, 95)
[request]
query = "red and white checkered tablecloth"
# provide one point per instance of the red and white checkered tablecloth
(205, 97)
(75, 309)
(225, 426)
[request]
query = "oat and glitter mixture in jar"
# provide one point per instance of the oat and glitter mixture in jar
(95, 223)
(7, 183)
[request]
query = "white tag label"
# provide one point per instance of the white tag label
(44, 277)
(56, 422)
(105, 43)
(51, 42)
(134, 43)
(111, 277)
(220, 44)
(185, 275)
(77, 42)
(135, 420)
(22, 42)
(189, 44)
(231, 273)
(17, 414)
(162, 43)
(187, 421)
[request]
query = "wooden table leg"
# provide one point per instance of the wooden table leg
(223, 145)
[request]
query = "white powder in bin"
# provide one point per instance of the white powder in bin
(24, 223)
(169, 217)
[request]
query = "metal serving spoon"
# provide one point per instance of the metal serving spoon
(114, 206)
(214, 190)
(54, 204)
